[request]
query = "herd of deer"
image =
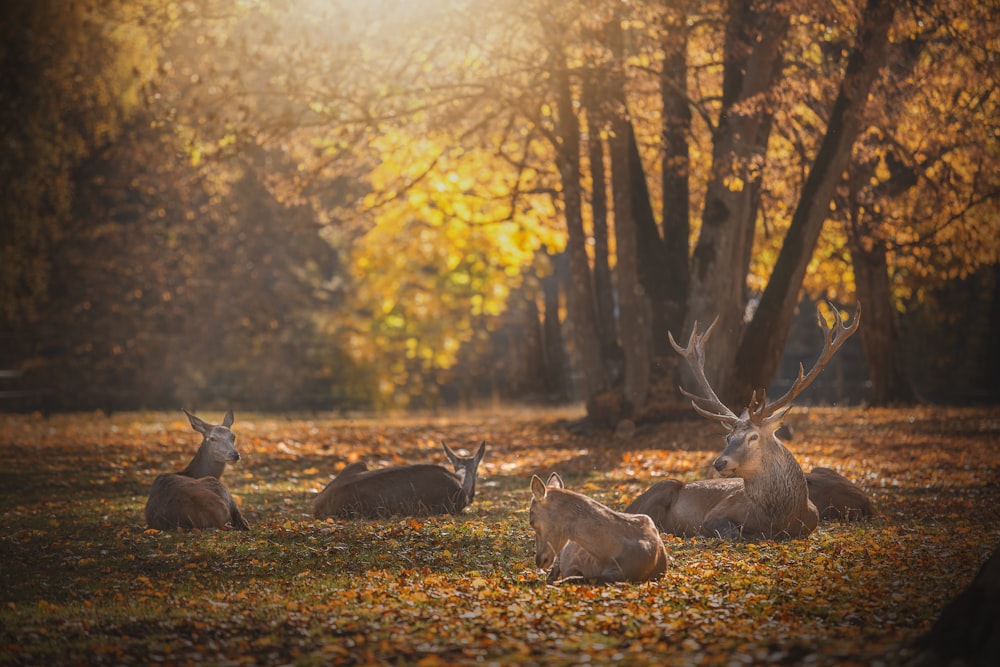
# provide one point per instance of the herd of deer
(762, 494)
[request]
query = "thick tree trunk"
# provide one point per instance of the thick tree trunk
(721, 258)
(760, 349)
(526, 373)
(653, 267)
(633, 305)
(631, 200)
(556, 367)
(581, 296)
(676, 192)
(879, 331)
(603, 287)
(664, 267)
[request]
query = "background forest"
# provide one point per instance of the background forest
(321, 204)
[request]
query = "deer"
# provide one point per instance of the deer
(195, 498)
(420, 489)
(763, 493)
(579, 538)
(836, 497)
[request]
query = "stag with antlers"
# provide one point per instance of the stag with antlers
(763, 492)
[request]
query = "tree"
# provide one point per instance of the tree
(911, 189)
(70, 76)
(761, 345)
(633, 303)
(752, 67)
(446, 158)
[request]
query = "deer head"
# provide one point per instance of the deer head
(466, 468)
(751, 434)
(218, 447)
(546, 521)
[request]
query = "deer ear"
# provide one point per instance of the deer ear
(555, 481)
(197, 424)
(481, 452)
(227, 421)
(538, 489)
(449, 453)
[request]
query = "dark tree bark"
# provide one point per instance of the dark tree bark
(760, 349)
(676, 193)
(653, 269)
(581, 296)
(603, 286)
(630, 201)
(664, 267)
(720, 261)
(633, 305)
(556, 366)
(880, 331)
(525, 373)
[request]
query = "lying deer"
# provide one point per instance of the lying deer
(194, 497)
(763, 493)
(837, 497)
(581, 538)
(411, 490)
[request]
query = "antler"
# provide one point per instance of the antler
(833, 338)
(694, 354)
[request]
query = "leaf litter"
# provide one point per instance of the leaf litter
(83, 580)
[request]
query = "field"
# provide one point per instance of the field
(82, 581)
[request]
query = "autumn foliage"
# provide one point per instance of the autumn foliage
(83, 580)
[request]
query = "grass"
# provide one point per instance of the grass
(84, 582)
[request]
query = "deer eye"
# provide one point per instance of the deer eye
(753, 437)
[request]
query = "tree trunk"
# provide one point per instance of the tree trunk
(721, 258)
(880, 331)
(652, 265)
(633, 304)
(676, 193)
(581, 295)
(556, 367)
(664, 268)
(760, 349)
(631, 198)
(603, 287)
(525, 372)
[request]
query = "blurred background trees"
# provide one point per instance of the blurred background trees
(308, 205)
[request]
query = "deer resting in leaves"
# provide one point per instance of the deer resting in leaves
(763, 493)
(412, 490)
(194, 497)
(581, 538)
(837, 497)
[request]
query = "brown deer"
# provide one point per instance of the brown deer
(836, 497)
(582, 539)
(411, 490)
(194, 497)
(763, 493)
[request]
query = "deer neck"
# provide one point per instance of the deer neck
(203, 465)
(467, 478)
(779, 490)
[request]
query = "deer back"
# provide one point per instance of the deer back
(195, 497)
(837, 497)
(412, 490)
(177, 501)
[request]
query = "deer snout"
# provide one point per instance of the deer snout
(721, 464)
(234, 456)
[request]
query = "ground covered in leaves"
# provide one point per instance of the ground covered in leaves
(83, 581)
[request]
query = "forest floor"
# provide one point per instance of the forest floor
(82, 580)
